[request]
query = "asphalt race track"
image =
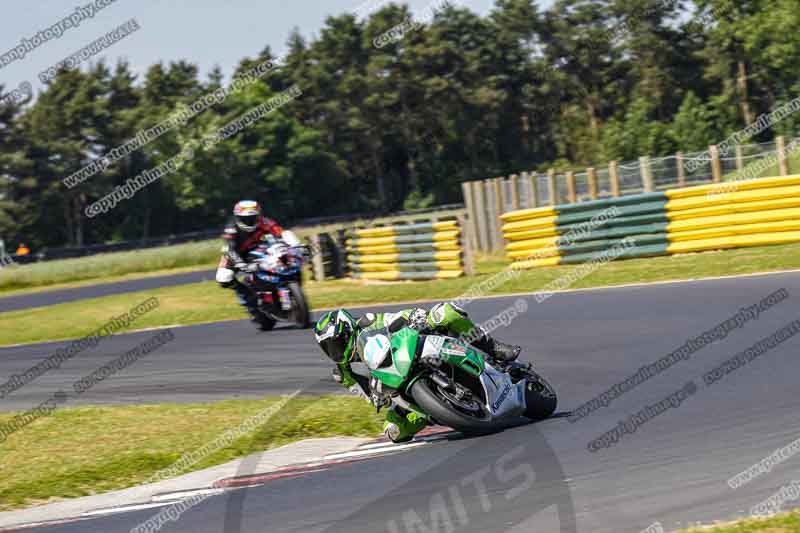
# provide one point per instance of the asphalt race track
(61, 296)
(540, 477)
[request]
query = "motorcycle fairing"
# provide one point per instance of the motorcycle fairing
(403, 346)
(503, 397)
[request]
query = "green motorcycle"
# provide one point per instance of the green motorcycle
(450, 381)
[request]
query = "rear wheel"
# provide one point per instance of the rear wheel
(300, 312)
(540, 397)
(467, 415)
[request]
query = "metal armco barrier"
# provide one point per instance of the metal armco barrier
(417, 251)
(708, 217)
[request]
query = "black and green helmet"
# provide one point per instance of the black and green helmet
(335, 333)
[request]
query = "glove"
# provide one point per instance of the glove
(343, 378)
(377, 397)
(418, 320)
(356, 390)
(379, 401)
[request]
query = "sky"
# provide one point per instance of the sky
(205, 32)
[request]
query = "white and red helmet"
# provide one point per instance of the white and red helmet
(248, 215)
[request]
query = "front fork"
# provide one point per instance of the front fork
(285, 298)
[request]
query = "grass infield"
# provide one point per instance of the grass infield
(783, 523)
(49, 460)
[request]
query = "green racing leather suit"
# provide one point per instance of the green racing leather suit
(444, 319)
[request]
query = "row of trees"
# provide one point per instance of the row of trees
(377, 129)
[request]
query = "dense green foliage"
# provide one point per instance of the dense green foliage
(400, 126)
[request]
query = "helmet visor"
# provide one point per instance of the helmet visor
(336, 347)
(248, 220)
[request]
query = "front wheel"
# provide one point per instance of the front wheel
(262, 321)
(540, 397)
(467, 415)
(300, 311)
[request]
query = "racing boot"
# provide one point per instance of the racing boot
(500, 351)
(401, 427)
(505, 352)
(247, 297)
(249, 301)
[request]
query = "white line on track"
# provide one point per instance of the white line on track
(180, 495)
(375, 451)
(159, 500)
(127, 508)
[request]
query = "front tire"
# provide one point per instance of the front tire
(300, 311)
(262, 321)
(429, 398)
(540, 397)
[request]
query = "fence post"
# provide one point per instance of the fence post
(471, 219)
(782, 163)
(339, 249)
(525, 183)
(613, 175)
(501, 208)
(497, 183)
(466, 249)
(533, 180)
(739, 158)
(592, 177)
(681, 169)
(716, 164)
(317, 263)
(647, 174)
(478, 193)
(514, 192)
(491, 214)
(551, 184)
(572, 197)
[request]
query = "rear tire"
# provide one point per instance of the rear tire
(301, 313)
(444, 413)
(540, 397)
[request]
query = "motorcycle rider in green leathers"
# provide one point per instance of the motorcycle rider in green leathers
(337, 334)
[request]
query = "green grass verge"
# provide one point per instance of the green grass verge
(205, 302)
(784, 523)
(109, 267)
(108, 280)
(49, 459)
